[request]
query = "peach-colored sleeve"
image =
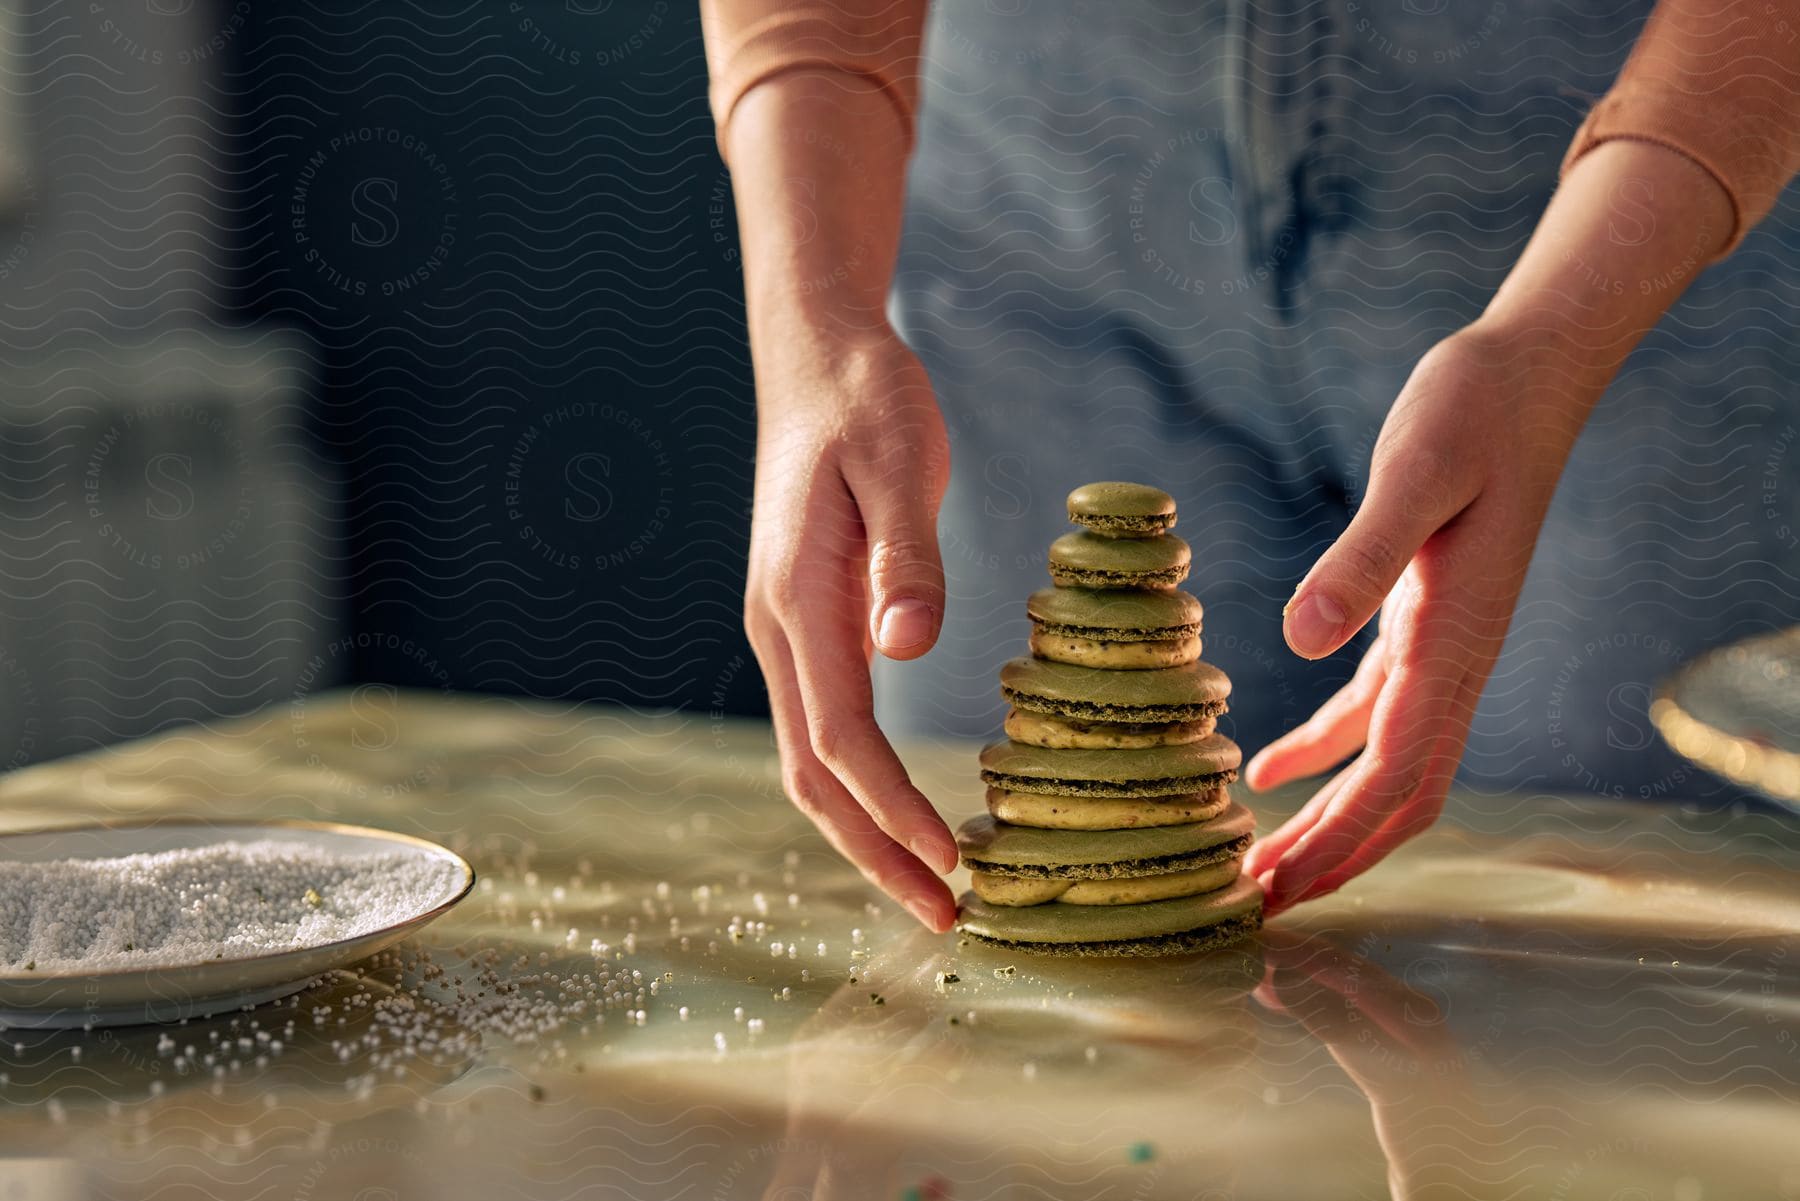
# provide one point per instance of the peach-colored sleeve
(747, 41)
(1718, 81)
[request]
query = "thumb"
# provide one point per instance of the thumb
(1411, 496)
(906, 574)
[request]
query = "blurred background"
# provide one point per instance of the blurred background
(402, 344)
(366, 342)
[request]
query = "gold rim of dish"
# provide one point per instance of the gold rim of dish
(1769, 769)
(287, 823)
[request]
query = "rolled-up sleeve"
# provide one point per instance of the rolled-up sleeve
(749, 41)
(1717, 81)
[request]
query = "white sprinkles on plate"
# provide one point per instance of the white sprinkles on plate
(231, 900)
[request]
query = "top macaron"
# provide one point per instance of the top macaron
(1114, 509)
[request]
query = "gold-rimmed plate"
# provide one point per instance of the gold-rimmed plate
(168, 992)
(1736, 711)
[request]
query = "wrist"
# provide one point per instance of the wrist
(803, 359)
(812, 301)
(1631, 226)
(818, 172)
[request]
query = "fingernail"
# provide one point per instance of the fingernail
(922, 909)
(905, 623)
(933, 854)
(1314, 625)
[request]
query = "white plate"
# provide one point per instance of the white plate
(170, 992)
(1736, 711)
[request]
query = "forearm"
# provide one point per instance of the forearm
(815, 102)
(1631, 226)
(818, 169)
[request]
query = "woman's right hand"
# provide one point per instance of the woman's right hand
(851, 465)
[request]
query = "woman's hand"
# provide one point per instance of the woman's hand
(1462, 475)
(851, 465)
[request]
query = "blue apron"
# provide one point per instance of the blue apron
(1203, 244)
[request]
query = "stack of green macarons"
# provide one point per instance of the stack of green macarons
(1110, 827)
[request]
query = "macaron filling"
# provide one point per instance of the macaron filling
(1151, 865)
(1052, 812)
(1109, 788)
(1018, 891)
(1114, 526)
(1114, 654)
(1077, 577)
(1112, 712)
(1117, 633)
(1059, 733)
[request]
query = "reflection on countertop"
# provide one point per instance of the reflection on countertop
(665, 986)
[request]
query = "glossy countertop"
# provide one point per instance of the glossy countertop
(665, 986)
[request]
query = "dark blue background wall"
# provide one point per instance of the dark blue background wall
(506, 229)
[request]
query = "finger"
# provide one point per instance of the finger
(1266, 852)
(1412, 492)
(1337, 730)
(825, 637)
(841, 729)
(1415, 737)
(899, 507)
(892, 868)
(1442, 641)
(820, 612)
(1411, 821)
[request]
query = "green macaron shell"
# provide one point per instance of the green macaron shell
(1089, 560)
(1122, 509)
(996, 846)
(1134, 772)
(1185, 693)
(1090, 924)
(1209, 938)
(1114, 615)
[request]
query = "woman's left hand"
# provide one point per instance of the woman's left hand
(1462, 475)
